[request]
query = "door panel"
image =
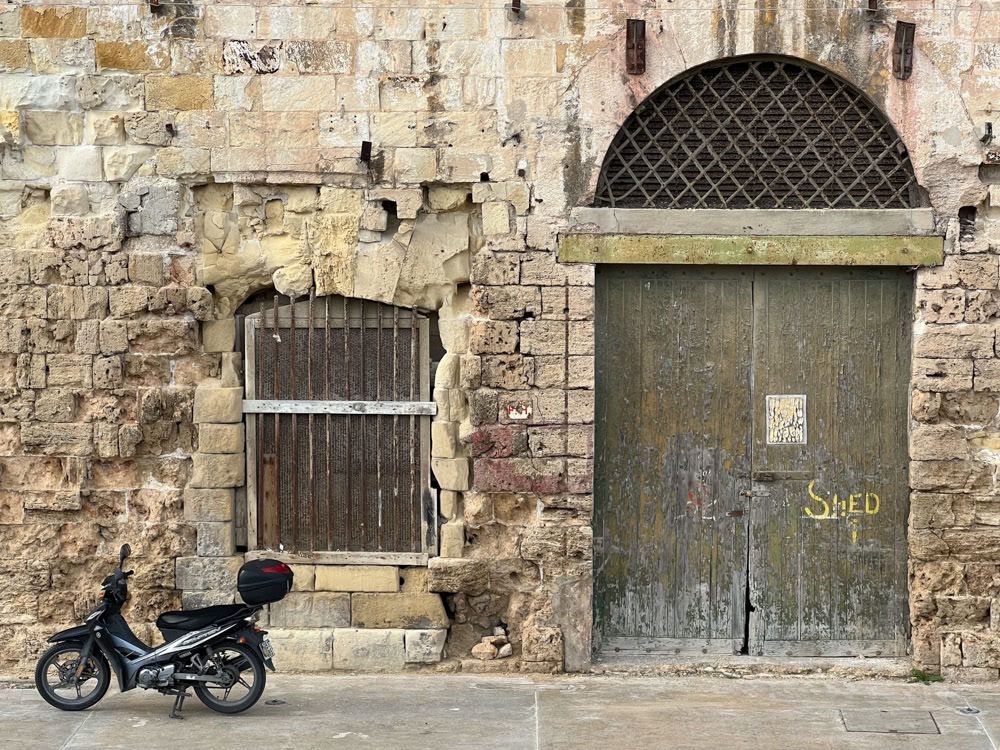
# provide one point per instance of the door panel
(673, 388)
(828, 519)
(686, 360)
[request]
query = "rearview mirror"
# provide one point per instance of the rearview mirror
(123, 553)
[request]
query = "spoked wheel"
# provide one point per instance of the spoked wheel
(62, 682)
(238, 678)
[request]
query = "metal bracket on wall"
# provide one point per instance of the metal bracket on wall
(902, 50)
(635, 46)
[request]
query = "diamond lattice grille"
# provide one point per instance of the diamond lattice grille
(757, 133)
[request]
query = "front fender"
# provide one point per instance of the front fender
(78, 633)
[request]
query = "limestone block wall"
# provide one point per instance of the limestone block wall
(159, 164)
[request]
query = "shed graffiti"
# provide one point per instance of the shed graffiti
(852, 508)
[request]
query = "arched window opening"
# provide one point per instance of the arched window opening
(757, 132)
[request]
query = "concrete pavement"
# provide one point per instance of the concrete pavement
(414, 712)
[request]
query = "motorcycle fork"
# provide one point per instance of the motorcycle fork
(85, 652)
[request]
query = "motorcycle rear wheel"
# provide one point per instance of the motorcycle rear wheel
(60, 664)
(237, 662)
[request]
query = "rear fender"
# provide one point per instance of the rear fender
(254, 638)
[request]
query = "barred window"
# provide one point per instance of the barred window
(338, 429)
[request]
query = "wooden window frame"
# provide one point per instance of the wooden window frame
(423, 410)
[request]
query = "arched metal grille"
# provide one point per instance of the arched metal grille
(757, 133)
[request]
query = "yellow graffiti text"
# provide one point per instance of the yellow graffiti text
(851, 507)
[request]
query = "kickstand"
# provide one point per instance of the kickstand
(178, 704)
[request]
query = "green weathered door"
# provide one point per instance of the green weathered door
(829, 512)
(673, 440)
(751, 448)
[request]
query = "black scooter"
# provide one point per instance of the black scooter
(218, 651)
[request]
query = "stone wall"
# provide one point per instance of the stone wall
(160, 164)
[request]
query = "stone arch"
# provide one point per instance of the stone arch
(757, 131)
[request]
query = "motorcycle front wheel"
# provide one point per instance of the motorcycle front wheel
(240, 681)
(61, 681)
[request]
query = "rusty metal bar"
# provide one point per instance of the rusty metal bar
(275, 340)
(414, 437)
(309, 395)
(295, 430)
(349, 450)
(329, 445)
(394, 465)
(364, 437)
(379, 531)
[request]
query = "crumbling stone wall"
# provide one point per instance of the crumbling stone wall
(159, 164)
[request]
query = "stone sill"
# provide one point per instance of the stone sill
(406, 559)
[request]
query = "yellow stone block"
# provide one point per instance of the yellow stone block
(178, 92)
(374, 578)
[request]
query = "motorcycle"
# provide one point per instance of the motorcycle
(218, 651)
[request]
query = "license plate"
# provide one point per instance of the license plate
(266, 648)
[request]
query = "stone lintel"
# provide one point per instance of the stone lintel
(754, 221)
(789, 250)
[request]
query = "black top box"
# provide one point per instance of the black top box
(264, 581)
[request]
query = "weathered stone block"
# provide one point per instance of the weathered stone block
(218, 335)
(444, 439)
(496, 217)
(215, 539)
(452, 473)
(207, 573)
(223, 405)
(449, 503)
(53, 500)
(208, 504)
(79, 163)
(312, 610)
(70, 370)
(167, 92)
(457, 576)
(372, 578)
(424, 646)
(415, 165)
(221, 438)
(452, 539)
(492, 337)
(218, 470)
(55, 22)
(398, 611)
(543, 337)
(943, 374)
(302, 650)
(369, 650)
(303, 577)
(46, 128)
(956, 341)
(938, 442)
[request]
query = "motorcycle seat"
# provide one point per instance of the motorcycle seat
(196, 619)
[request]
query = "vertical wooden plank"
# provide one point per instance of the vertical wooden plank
(275, 498)
(349, 469)
(271, 523)
(295, 542)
